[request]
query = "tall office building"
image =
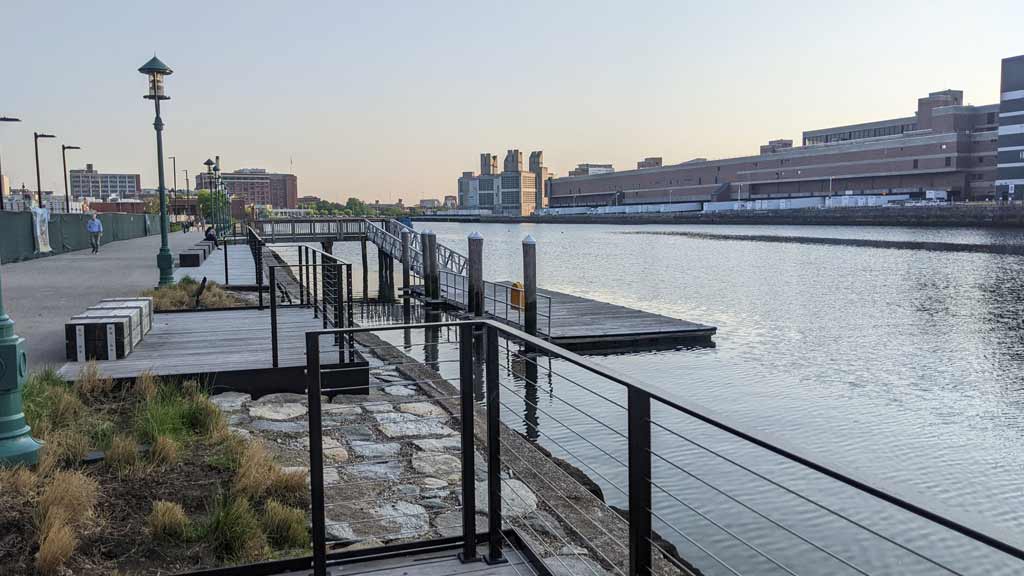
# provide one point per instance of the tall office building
(488, 164)
(514, 191)
(257, 186)
(93, 184)
(1010, 173)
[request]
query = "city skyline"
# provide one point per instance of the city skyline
(363, 117)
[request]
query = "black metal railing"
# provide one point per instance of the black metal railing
(701, 494)
(310, 229)
(316, 281)
(447, 258)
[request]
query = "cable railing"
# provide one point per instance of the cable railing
(448, 259)
(310, 229)
(598, 473)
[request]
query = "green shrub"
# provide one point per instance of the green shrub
(233, 530)
(285, 526)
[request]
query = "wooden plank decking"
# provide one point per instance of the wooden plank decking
(210, 342)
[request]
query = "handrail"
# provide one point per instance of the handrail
(446, 257)
(640, 394)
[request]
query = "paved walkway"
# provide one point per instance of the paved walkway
(42, 294)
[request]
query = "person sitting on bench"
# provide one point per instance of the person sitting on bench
(211, 235)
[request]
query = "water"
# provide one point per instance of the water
(902, 366)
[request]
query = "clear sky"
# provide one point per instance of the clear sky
(384, 100)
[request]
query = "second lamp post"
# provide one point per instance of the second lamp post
(156, 70)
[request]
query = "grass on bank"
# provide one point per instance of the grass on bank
(182, 296)
(144, 427)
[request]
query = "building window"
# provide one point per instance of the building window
(915, 164)
(949, 161)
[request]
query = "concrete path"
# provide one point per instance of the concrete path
(40, 295)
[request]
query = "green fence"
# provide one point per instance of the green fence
(67, 232)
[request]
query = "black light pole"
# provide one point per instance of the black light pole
(174, 171)
(209, 184)
(186, 192)
(4, 119)
(64, 156)
(156, 70)
(39, 181)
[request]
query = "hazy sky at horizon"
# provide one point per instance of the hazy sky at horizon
(388, 100)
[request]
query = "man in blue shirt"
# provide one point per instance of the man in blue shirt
(95, 228)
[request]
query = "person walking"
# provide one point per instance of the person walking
(95, 229)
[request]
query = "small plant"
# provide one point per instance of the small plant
(285, 526)
(20, 481)
(145, 386)
(205, 417)
(229, 451)
(56, 544)
(234, 530)
(167, 521)
(164, 451)
(255, 472)
(289, 487)
(70, 496)
(90, 383)
(123, 454)
(182, 296)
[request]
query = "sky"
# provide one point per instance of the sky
(385, 100)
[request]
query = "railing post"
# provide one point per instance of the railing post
(406, 289)
(475, 299)
(336, 275)
(467, 407)
(639, 417)
(316, 457)
(226, 245)
(350, 320)
(302, 290)
(431, 278)
(366, 280)
(494, 553)
(313, 270)
(258, 257)
(273, 317)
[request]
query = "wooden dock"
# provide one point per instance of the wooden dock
(189, 343)
(585, 324)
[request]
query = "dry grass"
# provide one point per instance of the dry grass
(123, 455)
(234, 530)
(182, 296)
(145, 386)
(70, 496)
(63, 449)
(285, 526)
(91, 384)
(288, 487)
(56, 544)
(167, 521)
(165, 451)
(19, 482)
(255, 472)
(205, 417)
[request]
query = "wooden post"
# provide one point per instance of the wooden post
(406, 289)
(428, 242)
(366, 273)
(475, 290)
(530, 284)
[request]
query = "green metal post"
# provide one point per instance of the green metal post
(16, 443)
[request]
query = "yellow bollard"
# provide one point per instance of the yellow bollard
(517, 295)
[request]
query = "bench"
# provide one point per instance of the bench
(191, 258)
(110, 330)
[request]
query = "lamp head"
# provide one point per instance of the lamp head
(156, 70)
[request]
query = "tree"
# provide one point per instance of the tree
(152, 205)
(212, 204)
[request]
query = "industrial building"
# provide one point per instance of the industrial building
(966, 152)
(513, 192)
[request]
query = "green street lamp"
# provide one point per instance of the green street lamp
(156, 70)
(4, 119)
(209, 187)
(64, 156)
(17, 446)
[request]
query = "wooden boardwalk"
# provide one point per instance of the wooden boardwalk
(215, 341)
(241, 268)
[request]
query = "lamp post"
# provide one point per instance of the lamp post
(156, 70)
(216, 186)
(64, 156)
(209, 184)
(4, 119)
(187, 190)
(17, 447)
(39, 181)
